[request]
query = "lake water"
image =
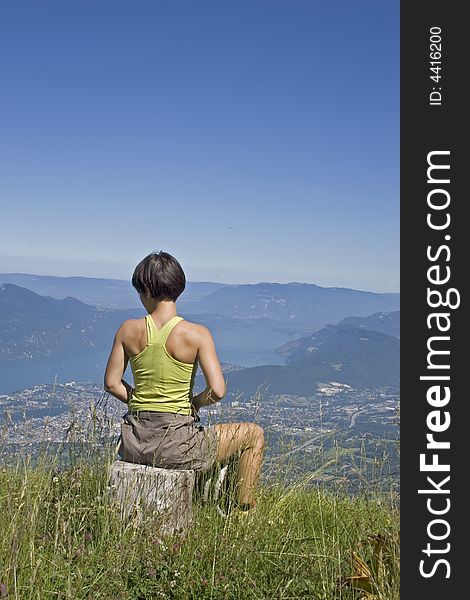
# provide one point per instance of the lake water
(239, 346)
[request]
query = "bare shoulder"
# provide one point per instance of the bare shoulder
(197, 331)
(130, 323)
(130, 326)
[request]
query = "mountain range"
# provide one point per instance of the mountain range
(344, 353)
(292, 308)
(36, 327)
(104, 293)
(361, 350)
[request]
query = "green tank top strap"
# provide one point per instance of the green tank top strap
(160, 336)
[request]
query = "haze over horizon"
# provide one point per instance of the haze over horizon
(197, 281)
(246, 139)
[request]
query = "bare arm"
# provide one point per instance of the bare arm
(117, 364)
(210, 366)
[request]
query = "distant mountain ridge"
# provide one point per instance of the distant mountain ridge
(384, 322)
(387, 323)
(294, 306)
(100, 292)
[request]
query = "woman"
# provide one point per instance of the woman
(164, 351)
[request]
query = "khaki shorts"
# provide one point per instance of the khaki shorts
(167, 440)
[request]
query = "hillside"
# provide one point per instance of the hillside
(383, 322)
(62, 539)
(297, 307)
(345, 354)
(34, 326)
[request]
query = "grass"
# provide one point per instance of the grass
(60, 539)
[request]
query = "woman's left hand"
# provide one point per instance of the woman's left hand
(195, 413)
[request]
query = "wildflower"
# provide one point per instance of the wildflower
(88, 536)
(151, 572)
(3, 590)
(172, 583)
(177, 573)
(204, 581)
(55, 480)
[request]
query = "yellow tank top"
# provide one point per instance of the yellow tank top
(162, 383)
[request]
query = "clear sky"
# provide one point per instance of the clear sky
(255, 140)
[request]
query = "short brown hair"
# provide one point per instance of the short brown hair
(159, 275)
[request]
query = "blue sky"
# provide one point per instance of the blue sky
(255, 140)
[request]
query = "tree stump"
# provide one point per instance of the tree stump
(143, 489)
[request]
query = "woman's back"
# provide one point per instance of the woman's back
(162, 382)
